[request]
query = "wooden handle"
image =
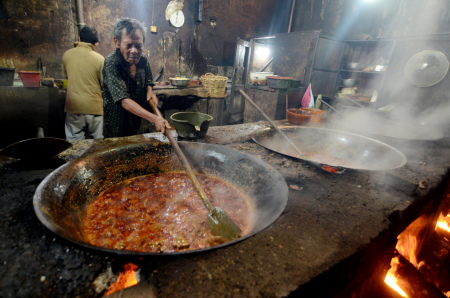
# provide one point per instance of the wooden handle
(331, 107)
(155, 109)
(273, 124)
(184, 161)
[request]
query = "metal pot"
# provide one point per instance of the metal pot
(294, 84)
(61, 198)
(275, 82)
(353, 65)
(348, 82)
(179, 82)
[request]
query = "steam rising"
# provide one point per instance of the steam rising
(396, 123)
(414, 98)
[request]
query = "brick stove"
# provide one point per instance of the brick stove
(420, 264)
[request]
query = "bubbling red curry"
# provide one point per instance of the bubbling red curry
(162, 213)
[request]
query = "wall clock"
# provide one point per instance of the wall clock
(177, 19)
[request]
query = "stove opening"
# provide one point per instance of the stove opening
(127, 278)
(421, 265)
(108, 283)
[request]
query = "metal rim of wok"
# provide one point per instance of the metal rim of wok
(59, 205)
(370, 150)
(36, 148)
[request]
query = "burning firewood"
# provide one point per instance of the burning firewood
(412, 282)
(435, 259)
(127, 278)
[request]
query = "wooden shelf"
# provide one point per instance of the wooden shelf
(363, 72)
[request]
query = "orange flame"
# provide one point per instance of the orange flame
(332, 169)
(407, 247)
(390, 278)
(443, 222)
(127, 278)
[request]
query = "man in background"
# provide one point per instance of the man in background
(83, 67)
(128, 83)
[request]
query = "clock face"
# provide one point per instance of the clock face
(177, 19)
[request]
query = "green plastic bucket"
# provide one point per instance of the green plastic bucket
(191, 125)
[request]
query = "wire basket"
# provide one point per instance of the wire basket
(214, 85)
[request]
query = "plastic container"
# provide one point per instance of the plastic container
(195, 83)
(297, 116)
(317, 114)
(59, 83)
(6, 76)
(191, 125)
(30, 78)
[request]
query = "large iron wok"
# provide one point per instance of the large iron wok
(331, 147)
(36, 149)
(61, 198)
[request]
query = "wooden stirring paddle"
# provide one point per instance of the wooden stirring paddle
(218, 220)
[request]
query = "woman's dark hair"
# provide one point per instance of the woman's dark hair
(130, 26)
(89, 34)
